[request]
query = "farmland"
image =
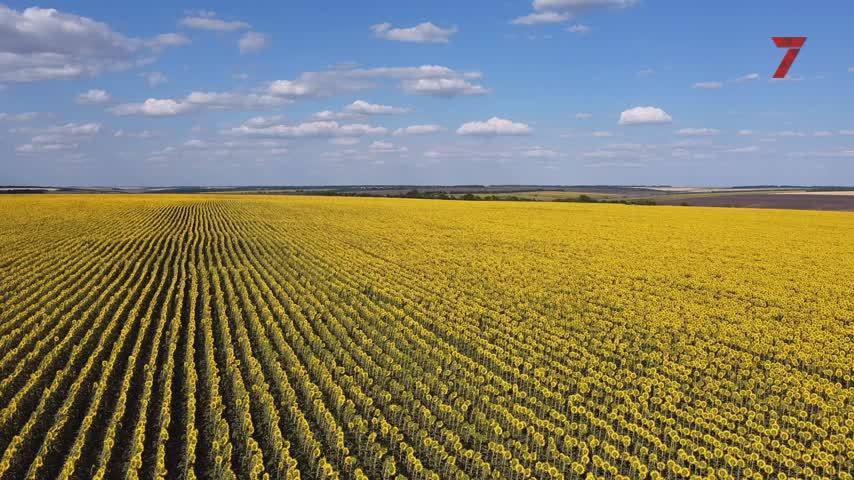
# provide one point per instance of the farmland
(244, 336)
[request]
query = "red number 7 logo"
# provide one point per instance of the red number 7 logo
(794, 45)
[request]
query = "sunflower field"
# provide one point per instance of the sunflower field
(284, 337)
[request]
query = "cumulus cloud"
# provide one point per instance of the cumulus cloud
(709, 85)
(347, 141)
(361, 107)
(495, 126)
(93, 96)
(155, 78)
(581, 4)
(789, 133)
(553, 9)
(419, 130)
(252, 42)
(30, 148)
(207, 20)
(58, 137)
(579, 28)
(748, 78)
(167, 107)
(537, 18)
(141, 134)
(24, 116)
(386, 147)
(195, 143)
(539, 152)
(330, 115)
(751, 149)
(169, 40)
(349, 79)
(153, 107)
(422, 33)
(443, 87)
(697, 132)
(257, 122)
(66, 130)
(38, 44)
(308, 129)
(644, 116)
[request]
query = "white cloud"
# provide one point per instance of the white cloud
(30, 148)
(419, 130)
(579, 28)
(583, 116)
(68, 129)
(330, 115)
(309, 129)
(93, 96)
(361, 107)
(240, 76)
(347, 141)
(264, 121)
(495, 126)
(61, 134)
(822, 133)
(744, 133)
(226, 100)
(850, 69)
(206, 20)
(751, 149)
(348, 79)
(195, 143)
(443, 87)
(616, 165)
(698, 132)
(789, 133)
(581, 4)
(846, 132)
(386, 147)
(422, 33)
(288, 88)
(748, 78)
(23, 117)
(644, 116)
(602, 134)
(538, 18)
(169, 40)
(709, 85)
(142, 134)
(155, 78)
(252, 42)
(539, 152)
(154, 107)
(839, 153)
(38, 44)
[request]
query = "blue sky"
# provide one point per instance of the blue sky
(439, 92)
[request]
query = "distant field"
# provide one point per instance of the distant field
(799, 201)
(284, 337)
(546, 195)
